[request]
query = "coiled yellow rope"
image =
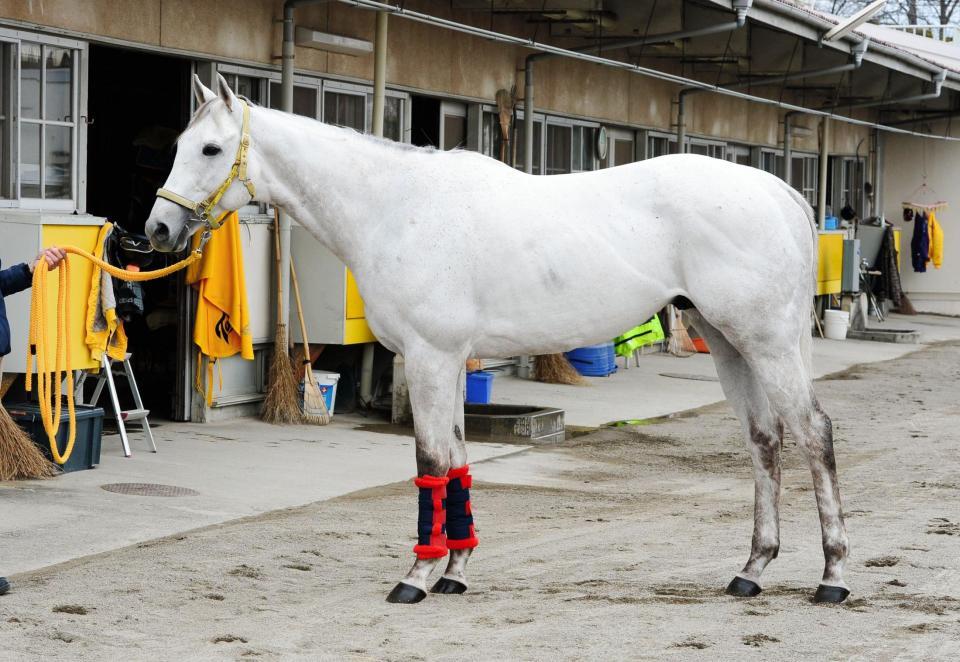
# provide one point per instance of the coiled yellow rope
(53, 375)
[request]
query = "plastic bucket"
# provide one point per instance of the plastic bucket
(327, 383)
(479, 387)
(835, 323)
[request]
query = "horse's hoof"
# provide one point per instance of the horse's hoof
(743, 588)
(405, 594)
(448, 586)
(831, 594)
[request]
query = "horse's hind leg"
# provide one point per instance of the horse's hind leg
(763, 433)
(787, 384)
(460, 536)
(432, 377)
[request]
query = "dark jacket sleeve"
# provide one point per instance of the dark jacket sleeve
(15, 279)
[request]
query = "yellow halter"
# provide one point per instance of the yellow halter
(238, 172)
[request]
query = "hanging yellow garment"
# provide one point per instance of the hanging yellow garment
(222, 327)
(105, 331)
(936, 240)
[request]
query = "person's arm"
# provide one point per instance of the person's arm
(19, 277)
(14, 279)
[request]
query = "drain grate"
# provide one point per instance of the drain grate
(149, 489)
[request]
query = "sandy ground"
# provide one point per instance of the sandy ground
(616, 545)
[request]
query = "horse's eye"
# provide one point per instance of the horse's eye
(210, 150)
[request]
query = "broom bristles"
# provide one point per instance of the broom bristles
(315, 409)
(280, 405)
(556, 369)
(20, 459)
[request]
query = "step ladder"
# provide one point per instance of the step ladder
(107, 375)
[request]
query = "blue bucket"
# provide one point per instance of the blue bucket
(479, 387)
(594, 360)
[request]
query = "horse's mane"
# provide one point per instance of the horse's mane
(204, 109)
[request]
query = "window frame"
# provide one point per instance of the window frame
(78, 124)
(538, 118)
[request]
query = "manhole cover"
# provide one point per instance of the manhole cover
(149, 489)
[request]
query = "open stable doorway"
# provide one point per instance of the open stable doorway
(138, 104)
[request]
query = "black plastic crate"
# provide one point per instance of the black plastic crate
(86, 447)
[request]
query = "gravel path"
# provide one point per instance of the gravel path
(616, 545)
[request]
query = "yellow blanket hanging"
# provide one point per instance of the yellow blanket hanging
(936, 241)
(105, 331)
(222, 326)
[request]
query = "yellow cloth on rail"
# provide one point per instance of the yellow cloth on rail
(105, 331)
(222, 326)
(936, 240)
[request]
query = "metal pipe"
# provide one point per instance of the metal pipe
(379, 97)
(788, 147)
(878, 174)
(682, 121)
(528, 114)
(549, 49)
(379, 72)
(286, 104)
(937, 89)
(740, 6)
(822, 183)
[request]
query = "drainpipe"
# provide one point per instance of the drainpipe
(822, 184)
(878, 174)
(937, 81)
(741, 7)
(856, 53)
(528, 111)
(379, 94)
(788, 147)
(286, 104)
(681, 120)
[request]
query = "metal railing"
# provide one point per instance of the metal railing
(945, 33)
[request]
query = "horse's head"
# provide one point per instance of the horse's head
(209, 177)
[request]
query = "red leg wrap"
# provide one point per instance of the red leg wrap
(431, 523)
(460, 530)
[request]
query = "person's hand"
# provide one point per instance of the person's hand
(53, 255)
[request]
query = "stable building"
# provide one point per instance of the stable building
(93, 95)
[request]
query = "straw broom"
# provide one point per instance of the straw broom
(19, 456)
(556, 369)
(280, 405)
(680, 343)
(314, 406)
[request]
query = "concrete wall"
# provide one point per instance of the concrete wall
(905, 158)
(421, 57)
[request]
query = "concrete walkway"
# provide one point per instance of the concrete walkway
(244, 467)
(646, 392)
(238, 468)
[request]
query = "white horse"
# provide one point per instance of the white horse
(578, 259)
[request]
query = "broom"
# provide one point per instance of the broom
(19, 456)
(680, 343)
(280, 405)
(314, 406)
(556, 369)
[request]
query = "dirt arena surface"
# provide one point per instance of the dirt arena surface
(616, 545)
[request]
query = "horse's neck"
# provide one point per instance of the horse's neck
(332, 182)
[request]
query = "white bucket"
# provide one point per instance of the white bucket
(327, 383)
(835, 323)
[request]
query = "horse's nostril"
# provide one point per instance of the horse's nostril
(161, 231)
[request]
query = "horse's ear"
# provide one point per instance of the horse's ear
(226, 93)
(201, 91)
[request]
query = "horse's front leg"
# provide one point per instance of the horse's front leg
(461, 538)
(432, 378)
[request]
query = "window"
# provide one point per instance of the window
(559, 139)
(772, 162)
(713, 150)
(453, 125)
(492, 138)
(661, 145)
(304, 99)
(38, 124)
(803, 176)
(739, 154)
(848, 184)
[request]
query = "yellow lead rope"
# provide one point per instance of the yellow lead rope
(47, 375)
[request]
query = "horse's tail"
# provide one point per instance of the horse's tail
(806, 337)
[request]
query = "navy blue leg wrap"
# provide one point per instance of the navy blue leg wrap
(460, 531)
